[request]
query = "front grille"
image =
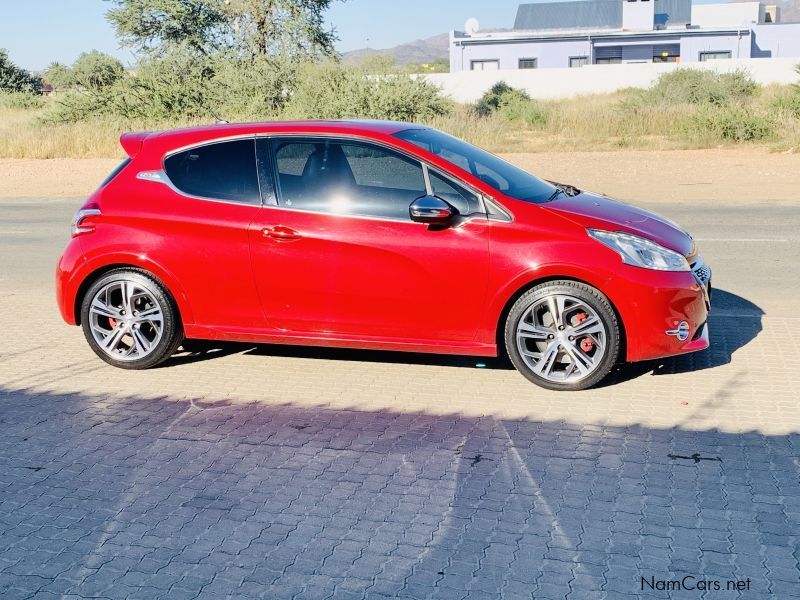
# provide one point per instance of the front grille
(701, 272)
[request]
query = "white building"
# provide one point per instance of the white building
(580, 32)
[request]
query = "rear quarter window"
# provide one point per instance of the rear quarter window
(217, 171)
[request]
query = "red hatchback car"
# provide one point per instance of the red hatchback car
(379, 235)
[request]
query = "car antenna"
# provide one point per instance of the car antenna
(217, 120)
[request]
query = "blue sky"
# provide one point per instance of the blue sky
(37, 32)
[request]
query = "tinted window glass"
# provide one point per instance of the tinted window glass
(343, 177)
(222, 171)
(501, 175)
(456, 195)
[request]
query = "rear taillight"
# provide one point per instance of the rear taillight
(78, 226)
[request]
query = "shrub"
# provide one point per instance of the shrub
(788, 102)
(168, 88)
(330, 90)
(696, 86)
(21, 100)
(255, 90)
(729, 123)
(516, 106)
(512, 104)
(490, 101)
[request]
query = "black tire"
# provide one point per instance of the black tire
(171, 334)
(595, 300)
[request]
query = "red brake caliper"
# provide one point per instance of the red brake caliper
(586, 344)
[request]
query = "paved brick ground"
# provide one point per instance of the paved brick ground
(287, 473)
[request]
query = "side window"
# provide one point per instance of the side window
(219, 171)
(343, 177)
(456, 195)
(375, 167)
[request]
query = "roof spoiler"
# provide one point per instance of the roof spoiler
(132, 142)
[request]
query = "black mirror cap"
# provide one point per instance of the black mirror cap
(432, 210)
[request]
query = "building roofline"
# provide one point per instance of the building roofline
(522, 36)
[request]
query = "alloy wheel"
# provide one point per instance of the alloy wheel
(126, 320)
(561, 338)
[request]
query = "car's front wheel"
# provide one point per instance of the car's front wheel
(563, 335)
(130, 320)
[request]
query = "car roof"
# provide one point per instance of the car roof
(161, 141)
(321, 126)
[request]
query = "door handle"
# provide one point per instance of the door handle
(281, 233)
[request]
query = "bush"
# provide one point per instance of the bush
(21, 100)
(788, 102)
(490, 101)
(730, 123)
(512, 104)
(696, 86)
(255, 90)
(516, 106)
(330, 90)
(173, 87)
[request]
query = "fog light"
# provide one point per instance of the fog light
(681, 331)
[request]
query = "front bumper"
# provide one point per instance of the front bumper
(671, 317)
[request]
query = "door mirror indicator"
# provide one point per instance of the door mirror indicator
(433, 210)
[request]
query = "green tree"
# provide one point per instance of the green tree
(280, 27)
(95, 70)
(16, 79)
(158, 26)
(58, 75)
(247, 27)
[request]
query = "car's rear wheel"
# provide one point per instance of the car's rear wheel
(130, 320)
(563, 335)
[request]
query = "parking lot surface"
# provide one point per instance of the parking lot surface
(278, 472)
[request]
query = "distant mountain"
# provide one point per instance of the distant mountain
(417, 52)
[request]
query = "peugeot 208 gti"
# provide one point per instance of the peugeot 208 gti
(379, 235)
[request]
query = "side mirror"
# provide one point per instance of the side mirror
(433, 210)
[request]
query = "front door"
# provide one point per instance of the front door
(339, 255)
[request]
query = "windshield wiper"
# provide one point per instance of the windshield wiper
(563, 188)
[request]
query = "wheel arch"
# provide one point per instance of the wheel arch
(500, 323)
(162, 278)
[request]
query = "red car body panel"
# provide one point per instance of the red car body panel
(370, 283)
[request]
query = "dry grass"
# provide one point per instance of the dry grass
(23, 136)
(592, 122)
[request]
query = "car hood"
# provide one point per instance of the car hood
(591, 210)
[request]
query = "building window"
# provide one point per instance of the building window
(485, 65)
(615, 60)
(666, 54)
(704, 56)
(578, 61)
(527, 63)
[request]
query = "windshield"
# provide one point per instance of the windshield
(501, 175)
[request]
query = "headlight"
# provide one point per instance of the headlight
(641, 252)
